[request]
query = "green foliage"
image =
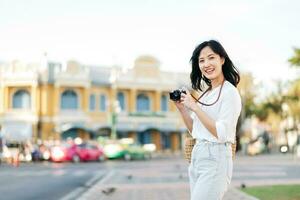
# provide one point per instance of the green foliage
(295, 60)
(273, 104)
(249, 106)
(261, 112)
(292, 100)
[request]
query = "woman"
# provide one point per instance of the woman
(211, 119)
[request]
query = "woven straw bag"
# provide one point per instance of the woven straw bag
(190, 143)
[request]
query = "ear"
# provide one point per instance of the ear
(222, 60)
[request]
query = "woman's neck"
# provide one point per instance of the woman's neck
(217, 81)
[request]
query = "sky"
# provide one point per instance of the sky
(258, 35)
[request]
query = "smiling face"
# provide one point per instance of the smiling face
(210, 64)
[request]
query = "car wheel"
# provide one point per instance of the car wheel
(147, 156)
(76, 159)
(101, 158)
(127, 157)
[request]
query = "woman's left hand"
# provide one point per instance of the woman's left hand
(188, 100)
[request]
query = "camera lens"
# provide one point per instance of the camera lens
(175, 95)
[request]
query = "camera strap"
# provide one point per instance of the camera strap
(208, 104)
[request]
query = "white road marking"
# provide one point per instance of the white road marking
(81, 190)
(94, 190)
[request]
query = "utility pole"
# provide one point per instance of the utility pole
(115, 107)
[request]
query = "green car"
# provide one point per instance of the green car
(136, 152)
(125, 149)
(114, 150)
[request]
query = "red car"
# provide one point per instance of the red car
(76, 153)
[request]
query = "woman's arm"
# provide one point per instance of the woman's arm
(208, 123)
(188, 121)
(223, 128)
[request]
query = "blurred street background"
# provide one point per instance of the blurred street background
(84, 96)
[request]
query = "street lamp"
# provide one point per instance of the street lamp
(114, 115)
(115, 109)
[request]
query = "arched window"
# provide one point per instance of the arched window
(143, 103)
(69, 100)
(92, 102)
(164, 103)
(21, 99)
(121, 100)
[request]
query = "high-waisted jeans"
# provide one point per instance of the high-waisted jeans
(210, 170)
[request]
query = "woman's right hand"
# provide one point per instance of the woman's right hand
(179, 105)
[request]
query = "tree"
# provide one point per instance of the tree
(294, 90)
(246, 88)
(295, 60)
(292, 100)
(270, 111)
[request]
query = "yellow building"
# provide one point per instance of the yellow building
(55, 101)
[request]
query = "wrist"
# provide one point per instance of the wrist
(195, 108)
(183, 109)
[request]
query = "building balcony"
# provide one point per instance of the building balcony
(141, 121)
(20, 115)
(20, 78)
(67, 79)
(69, 116)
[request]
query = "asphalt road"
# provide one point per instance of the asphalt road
(49, 181)
(65, 181)
(266, 170)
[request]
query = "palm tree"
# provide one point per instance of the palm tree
(292, 100)
(294, 90)
(295, 60)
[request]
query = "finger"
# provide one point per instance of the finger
(186, 90)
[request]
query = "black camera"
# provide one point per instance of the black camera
(176, 94)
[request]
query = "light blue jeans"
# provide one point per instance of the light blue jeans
(210, 170)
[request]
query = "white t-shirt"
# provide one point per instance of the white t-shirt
(225, 113)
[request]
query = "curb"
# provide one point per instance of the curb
(236, 193)
(83, 189)
(93, 192)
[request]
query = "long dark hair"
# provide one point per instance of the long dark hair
(231, 74)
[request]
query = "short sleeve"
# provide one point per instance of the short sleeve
(228, 116)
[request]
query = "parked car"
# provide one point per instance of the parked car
(136, 151)
(125, 149)
(114, 150)
(77, 152)
(15, 152)
(40, 152)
